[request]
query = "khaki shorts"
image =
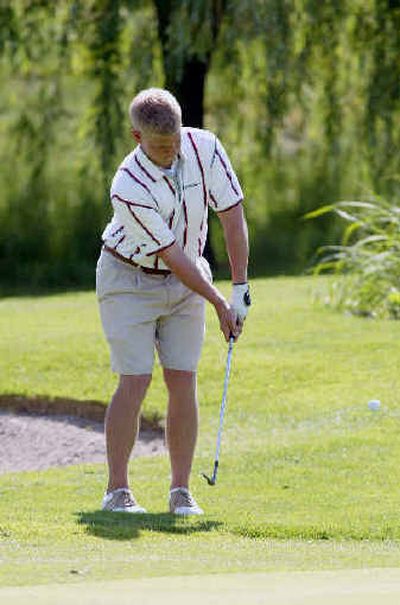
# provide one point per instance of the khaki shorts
(141, 312)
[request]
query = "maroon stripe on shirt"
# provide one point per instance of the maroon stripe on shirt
(196, 151)
(169, 184)
(230, 207)
(121, 239)
(161, 249)
(213, 199)
(129, 202)
(171, 219)
(200, 246)
(143, 169)
(137, 251)
(135, 178)
(153, 237)
(185, 214)
(228, 174)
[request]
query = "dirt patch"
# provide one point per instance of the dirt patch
(58, 406)
(39, 433)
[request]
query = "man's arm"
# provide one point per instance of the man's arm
(237, 244)
(191, 276)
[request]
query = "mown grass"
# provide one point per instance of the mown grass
(309, 475)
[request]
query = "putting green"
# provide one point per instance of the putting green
(350, 587)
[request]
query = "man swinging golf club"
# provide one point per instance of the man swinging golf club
(152, 282)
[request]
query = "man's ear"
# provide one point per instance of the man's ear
(136, 135)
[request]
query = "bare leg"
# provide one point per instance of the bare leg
(121, 426)
(182, 423)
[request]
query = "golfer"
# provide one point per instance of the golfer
(152, 282)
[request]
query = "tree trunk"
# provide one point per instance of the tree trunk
(189, 88)
(190, 94)
(190, 91)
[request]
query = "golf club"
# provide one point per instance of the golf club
(212, 480)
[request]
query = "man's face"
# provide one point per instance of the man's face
(162, 149)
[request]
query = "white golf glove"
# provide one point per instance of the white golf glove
(240, 301)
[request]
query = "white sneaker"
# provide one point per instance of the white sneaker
(181, 502)
(121, 500)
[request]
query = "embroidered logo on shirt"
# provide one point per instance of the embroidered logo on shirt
(189, 185)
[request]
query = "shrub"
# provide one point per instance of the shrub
(367, 262)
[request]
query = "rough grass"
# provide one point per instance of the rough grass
(309, 475)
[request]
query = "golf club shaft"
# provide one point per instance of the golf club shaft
(223, 403)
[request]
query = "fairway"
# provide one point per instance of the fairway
(353, 587)
(309, 474)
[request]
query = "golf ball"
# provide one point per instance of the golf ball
(374, 404)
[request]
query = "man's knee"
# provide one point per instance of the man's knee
(180, 381)
(132, 388)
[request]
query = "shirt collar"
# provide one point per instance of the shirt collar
(153, 171)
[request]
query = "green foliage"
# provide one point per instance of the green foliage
(65, 135)
(303, 94)
(187, 29)
(104, 23)
(383, 95)
(8, 27)
(367, 262)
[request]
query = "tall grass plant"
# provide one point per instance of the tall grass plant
(367, 262)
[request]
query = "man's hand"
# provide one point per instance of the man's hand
(227, 320)
(240, 301)
(189, 274)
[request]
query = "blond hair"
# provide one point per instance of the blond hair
(155, 110)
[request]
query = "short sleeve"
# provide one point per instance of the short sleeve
(136, 215)
(143, 225)
(225, 191)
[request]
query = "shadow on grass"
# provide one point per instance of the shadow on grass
(123, 526)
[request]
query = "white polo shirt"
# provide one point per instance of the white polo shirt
(152, 210)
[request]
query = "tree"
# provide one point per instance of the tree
(188, 32)
(304, 93)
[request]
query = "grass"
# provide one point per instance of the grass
(309, 475)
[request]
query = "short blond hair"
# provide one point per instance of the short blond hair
(155, 110)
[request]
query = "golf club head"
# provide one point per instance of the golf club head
(210, 481)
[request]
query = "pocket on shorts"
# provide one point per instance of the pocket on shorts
(114, 276)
